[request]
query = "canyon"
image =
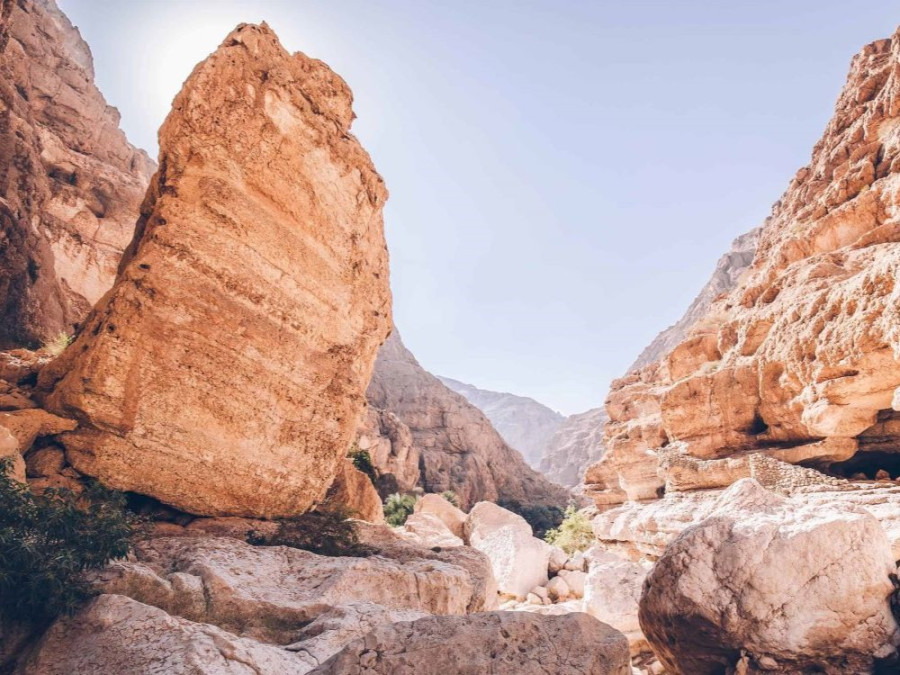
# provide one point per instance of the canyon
(310, 499)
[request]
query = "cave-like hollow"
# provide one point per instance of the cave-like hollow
(879, 451)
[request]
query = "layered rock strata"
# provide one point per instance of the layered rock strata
(799, 360)
(234, 350)
(70, 183)
(459, 449)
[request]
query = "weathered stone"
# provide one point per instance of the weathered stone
(801, 587)
(115, 634)
(353, 491)
(494, 642)
(271, 592)
(558, 589)
(426, 529)
(575, 580)
(558, 559)
(576, 445)
(436, 505)
(460, 450)
(258, 269)
(390, 444)
(518, 559)
(71, 182)
(612, 590)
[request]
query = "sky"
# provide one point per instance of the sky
(563, 175)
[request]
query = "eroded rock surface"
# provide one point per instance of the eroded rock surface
(234, 350)
(70, 183)
(493, 642)
(460, 450)
(799, 360)
(773, 584)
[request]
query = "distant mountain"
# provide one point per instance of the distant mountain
(577, 443)
(523, 423)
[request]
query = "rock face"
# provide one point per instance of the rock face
(352, 491)
(519, 560)
(728, 272)
(776, 586)
(389, 443)
(70, 183)
(577, 444)
(799, 360)
(524, 424)
(459, 449)
(204, 604)
(236, 345)
(612, 591)
(493, 642)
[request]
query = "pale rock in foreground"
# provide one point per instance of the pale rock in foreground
(428, 530)
(235, 347)
(792, 587)
(612, 590)
(518, 559)
(450, 515)
(116, 635)
(494, 642)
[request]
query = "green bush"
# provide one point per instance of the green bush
(398, 507)
(326, 532)
(573, 534)
(451, 497)
(48, 542)
(362, 460)
(541, 518)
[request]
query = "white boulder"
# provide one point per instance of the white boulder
(436, 505)
(519, 560)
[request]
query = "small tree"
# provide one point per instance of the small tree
(326, 532)
(451, 497)
(398, 507)
(362, 460)
(48, 542)
(573, 534)
(540, 517)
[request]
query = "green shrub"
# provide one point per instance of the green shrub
(326, 532)
(362, 460)
(397, 508)
(451, 497)
(573, 534)
(58, 344)
(541, 518)
(48, 542)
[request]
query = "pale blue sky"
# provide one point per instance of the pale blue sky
(563, 175)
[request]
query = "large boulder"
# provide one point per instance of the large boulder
(353, 491)
(428, 530)
(271, 592)
(435, 505)
(235, 348)
(494, 642)
(115, 635)
(612, 591)
(774, 584)
(519, 560)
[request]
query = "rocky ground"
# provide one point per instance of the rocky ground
(746, 515)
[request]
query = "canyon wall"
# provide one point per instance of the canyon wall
(577, 443)
(799, 361)
(234, 350)
(70, 183)
(459, 449)
(524, 424)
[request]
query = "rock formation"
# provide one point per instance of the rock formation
(522, 422)
(225, 371)
(577, 443)
(389, 443)
(725, 277)
(799, 360)
(459, 449)
(493, 642)
(775, 586)
(70, 183)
